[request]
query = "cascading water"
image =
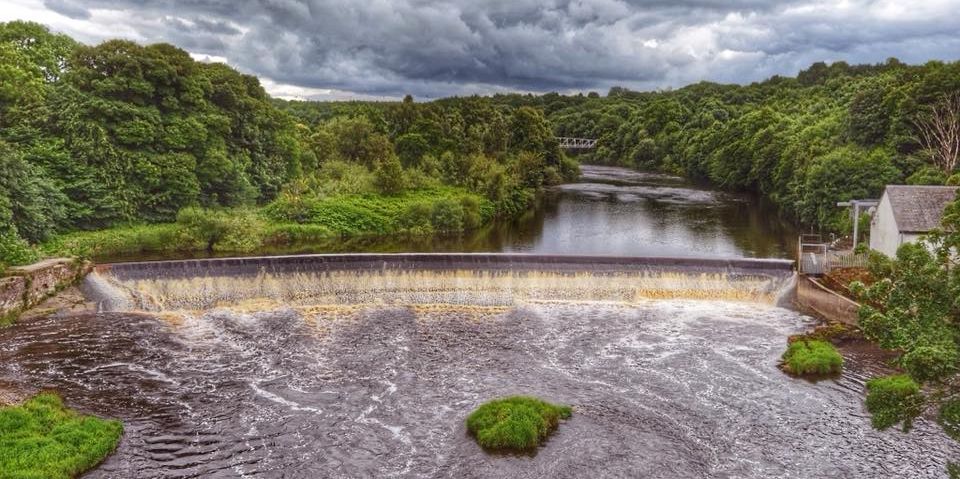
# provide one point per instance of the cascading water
(404, 279)
(367, 365)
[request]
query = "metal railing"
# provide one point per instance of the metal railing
(815, 257)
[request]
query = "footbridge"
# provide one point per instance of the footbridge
(570, 143)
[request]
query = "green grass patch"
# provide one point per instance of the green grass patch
(43, 439)
(114, 241)
(413, 211)
(287, 221)
(892, 400)
(517, 423)
(812, 357)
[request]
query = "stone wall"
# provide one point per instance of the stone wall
(815, 297)
(27, 286)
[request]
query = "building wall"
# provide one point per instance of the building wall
(884, 234)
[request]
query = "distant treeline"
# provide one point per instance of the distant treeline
(93, 137)
(834, 132)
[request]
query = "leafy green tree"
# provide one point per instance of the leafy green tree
(388, 175)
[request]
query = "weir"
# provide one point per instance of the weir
(484, 279)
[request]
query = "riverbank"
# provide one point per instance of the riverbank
(25, 287)
(44, 438)
(416, 213)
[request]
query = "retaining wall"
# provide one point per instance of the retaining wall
(27, 286)
(814, 296)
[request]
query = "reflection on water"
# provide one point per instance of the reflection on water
(611, 211)
(621, 212)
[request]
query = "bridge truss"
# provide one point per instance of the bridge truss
(576, 143)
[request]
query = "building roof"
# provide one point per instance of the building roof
(918, 209)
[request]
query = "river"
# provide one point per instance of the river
(609, 211)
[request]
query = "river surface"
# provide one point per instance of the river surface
(609, 211)
(660, 389)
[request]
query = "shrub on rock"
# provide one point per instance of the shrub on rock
(517, 423)
(812, 357)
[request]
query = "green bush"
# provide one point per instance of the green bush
(416, 218)
(413, 211)
(930, 362)
(812, 357)
(114, 241)
(388, 176)
(515, 423)
(14, 250)
(892, 400)
(242, 231)
(472, 217)
(219, 230)
(43, 439)
(447, 215)
(927, 175)
(950, 418)
(294, 233)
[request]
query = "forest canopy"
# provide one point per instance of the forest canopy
(834, 133)
(93, 137)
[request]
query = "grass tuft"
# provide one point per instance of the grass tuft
(517, 423)
(42, 438)
(812, 357)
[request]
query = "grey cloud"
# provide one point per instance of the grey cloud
(67, 8)
(441, 47)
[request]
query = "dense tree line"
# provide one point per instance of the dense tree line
(120, 133)
(832, 133)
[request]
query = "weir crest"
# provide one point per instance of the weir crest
(415, 279)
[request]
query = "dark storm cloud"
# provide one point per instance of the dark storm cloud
(441, 47)
(67, 8)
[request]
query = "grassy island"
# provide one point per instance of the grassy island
(516, 423)
(42, 438)
(812, 357)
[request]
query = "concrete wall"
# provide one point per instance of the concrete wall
(815, 297)
(27, 286)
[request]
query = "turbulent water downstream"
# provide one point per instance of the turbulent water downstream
(666, 389)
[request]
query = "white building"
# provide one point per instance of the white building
(907, 212)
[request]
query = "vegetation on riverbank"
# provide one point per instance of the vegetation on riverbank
(893, 400)
(910, 307)
(288, 220)
(812, 357)
(43, 439)
(106, 136)
(517, 423)
(832, 133)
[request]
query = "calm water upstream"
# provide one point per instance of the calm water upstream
(610, 211)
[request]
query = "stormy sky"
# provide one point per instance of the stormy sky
(333, 49)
